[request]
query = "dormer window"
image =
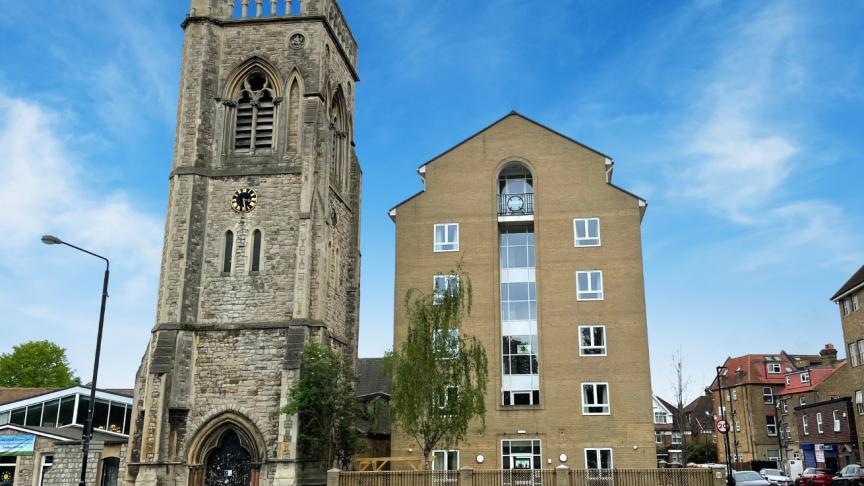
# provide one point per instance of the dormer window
(773, 368)
(255, 115)
(805, 377)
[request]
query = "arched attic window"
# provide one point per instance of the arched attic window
(255, 117)
(339, 127)
(515, 190)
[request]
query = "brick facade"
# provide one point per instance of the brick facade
(570, 181)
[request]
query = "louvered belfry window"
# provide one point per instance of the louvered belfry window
(256, 109)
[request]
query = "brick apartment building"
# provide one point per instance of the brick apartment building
(554, 252)
(752, 386)
(848, 299)
(827, 433)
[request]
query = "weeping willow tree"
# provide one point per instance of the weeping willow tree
(438, 373)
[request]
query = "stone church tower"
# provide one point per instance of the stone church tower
(261, 243)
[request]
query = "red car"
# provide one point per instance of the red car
(814, 476)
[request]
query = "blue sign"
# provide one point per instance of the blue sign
(17, 445)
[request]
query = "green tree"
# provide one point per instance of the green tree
(702, 450)
(326, 405)
(438, 373)
(36, 364)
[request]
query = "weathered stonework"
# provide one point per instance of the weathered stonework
(226, 345)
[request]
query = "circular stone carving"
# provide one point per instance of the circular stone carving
(297, 41)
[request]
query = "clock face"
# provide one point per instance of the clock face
(244, 200)
(515, 203)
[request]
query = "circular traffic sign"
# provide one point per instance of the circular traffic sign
(721, 426)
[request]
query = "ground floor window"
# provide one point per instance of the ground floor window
(773, 454)
(445, 460)
(521, 454)
(47, 462)
(7, 470)
(598, 462)
(110, 470)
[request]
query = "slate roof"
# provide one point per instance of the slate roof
(371, 379)
(856, 281)
(9, 395)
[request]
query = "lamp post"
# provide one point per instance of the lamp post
(730, 479)
(88, 425)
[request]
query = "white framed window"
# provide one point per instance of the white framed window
(445, 460)
(859, 401)
(846, 305)
(785, 406)
(445, 398)
(802, 401)
(598, 462)
(658, 437)
(773, 368)
(521, 454)
(592, 340)
(853, 354)
(446, 237)
(804, 425)
(855, 304)
(586, 232)
(788, 431)
(861, 351)
(443, 284)
(771, 422)
(788, 380)
(589, 285)
(521, 397)
(737, 426)
(659, 417)
(734, 394)
(767, 394)
(836, 416)
(677, 438)
(595, 399)
(805, 377)
(819, 422)
(47, 463)
(796, 456)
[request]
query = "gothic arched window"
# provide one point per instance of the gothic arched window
(339, 158)
(228, 251)
(255, 264)
(255, 114)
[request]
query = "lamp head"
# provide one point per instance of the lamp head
(51, 240)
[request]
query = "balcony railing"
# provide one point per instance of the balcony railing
(516, 204)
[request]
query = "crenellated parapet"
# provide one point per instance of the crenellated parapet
(250, 10)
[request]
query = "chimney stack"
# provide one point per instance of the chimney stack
(829, 355)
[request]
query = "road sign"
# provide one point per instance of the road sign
(722, 426)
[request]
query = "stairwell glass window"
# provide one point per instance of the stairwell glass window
(521, 454)
(771, 422)
(592, 340)
(446, 237)
(589, 285)
(819, 423)
(444, 284)
(595, 399)
(586, 232)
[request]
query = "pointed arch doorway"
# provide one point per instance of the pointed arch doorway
(229, 464)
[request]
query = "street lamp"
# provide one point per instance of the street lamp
(88, 425)
(730, 479)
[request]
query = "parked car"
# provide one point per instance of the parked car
(814, 476)
(776, 476)
(851, 475)
(749, 478)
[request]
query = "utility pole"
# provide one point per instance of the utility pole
(730, 480)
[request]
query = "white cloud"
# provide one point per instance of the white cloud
(45, 191)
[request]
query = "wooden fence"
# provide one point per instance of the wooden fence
(560, 476)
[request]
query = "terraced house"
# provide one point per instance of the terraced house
(554, 252)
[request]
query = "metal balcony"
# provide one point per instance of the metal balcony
(516, 204)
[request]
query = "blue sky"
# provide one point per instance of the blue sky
(742, 124)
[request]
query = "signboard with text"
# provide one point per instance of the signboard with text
(17, 445)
